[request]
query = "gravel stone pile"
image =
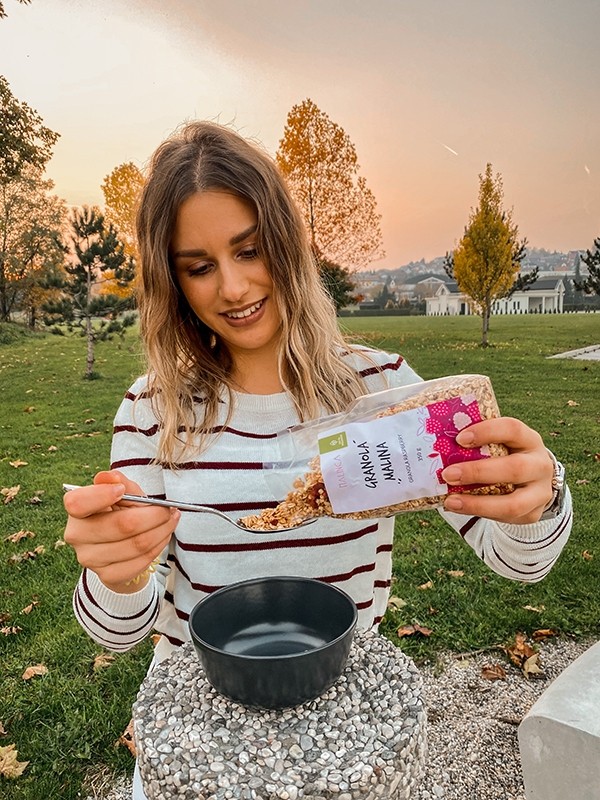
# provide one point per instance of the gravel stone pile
(364, 739)
(472, 725)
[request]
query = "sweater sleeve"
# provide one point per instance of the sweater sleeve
(520, 552)
(119, 621)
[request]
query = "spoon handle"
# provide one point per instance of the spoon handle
(152, 501)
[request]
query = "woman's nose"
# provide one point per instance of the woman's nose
(233, 282)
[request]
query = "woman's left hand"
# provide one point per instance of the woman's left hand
(528, 466)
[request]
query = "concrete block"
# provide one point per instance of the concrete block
(559, 738)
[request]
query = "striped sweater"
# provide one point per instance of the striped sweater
(206, 553)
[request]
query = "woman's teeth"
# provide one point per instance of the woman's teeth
(246, 313)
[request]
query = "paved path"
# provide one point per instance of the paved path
(591, 353)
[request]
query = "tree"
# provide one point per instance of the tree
(24, 139)
(487, 260)
(591, 285)
(320, 164)
(31, 247)
(122, 190)
(338, 283)
(96, 252)
(3, 13)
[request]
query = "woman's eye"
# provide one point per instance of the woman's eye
(249, 253)
(199, 269)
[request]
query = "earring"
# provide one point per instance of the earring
(212, 342)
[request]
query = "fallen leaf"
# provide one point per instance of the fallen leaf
(89, 421)
(427, 585)
(572, 403)
(582, 482)
(493, 672)
(102, 661)
(543, 633)
(596, 456)
(424, 523)
(59, 543)
(10, 630)
(2, 731)
(127, 740)
(18, 463)
(587, 555)
(155, 638)
(4, 617)
(537, 609)
(10, 767)
(15, 538)
(9, 493)
(456, 573)
(28, 609)
(532, 666)
(31, 672)
(29, 409)
(554, 433)
(396, 602)
(520, 651)
(53, 448)
(409, 630)
(27, 555)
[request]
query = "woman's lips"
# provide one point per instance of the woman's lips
(245, 316)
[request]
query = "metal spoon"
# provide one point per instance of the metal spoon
(151, 501)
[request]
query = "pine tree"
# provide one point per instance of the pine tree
(591, 285)
(320, 164)
(96, 253)
(487, 260)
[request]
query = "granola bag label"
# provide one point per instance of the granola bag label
(396, 457)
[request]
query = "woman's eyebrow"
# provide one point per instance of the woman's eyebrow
(198, 252)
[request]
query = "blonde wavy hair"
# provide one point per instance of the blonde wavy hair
(185, 360)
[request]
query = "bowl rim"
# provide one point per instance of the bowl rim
(349, 630)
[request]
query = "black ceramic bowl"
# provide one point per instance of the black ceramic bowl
(273, 642)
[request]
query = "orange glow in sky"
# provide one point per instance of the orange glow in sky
(429, 92)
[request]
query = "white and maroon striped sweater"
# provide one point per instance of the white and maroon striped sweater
(206, 553)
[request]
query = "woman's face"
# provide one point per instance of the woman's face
(221, 274)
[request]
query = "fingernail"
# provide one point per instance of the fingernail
(118, 489)
(175, 513)
(465, 438)
(452, 474)
(453, 503)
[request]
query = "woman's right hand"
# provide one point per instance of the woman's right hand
(117, 540)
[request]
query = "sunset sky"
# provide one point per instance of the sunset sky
(428, 91)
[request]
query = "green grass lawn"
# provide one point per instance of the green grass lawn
(66, 722)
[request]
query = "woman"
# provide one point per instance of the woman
(242, 342)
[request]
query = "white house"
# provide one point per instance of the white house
(544, 296)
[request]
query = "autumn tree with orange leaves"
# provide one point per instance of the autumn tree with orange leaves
(319, 162)
(122, 190)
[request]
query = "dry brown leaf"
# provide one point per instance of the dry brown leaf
(582, 482)
(22, 534)
(27, 555)
(89, 421)
(587, 555)
(53, 448)
(127, 740)
(4, 617)
(155, 638)
(424, 523)
(520, 651)
(542, 633)
(493, 672)
(572, 403)
(532, 666)
(102, 661)
(59, 543)
(9, 493)
(537, 609)
(427, 585)
(2, 731)
(10, 630)
(456, 573)
(28, 609)
(18, 463)
(29, 409)
(409, 630)
(396, 602)
(31, 672)
(10, 766)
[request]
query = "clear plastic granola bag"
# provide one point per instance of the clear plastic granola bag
(382, 456)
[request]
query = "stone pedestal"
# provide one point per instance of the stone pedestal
(363, 739)
(559, 738)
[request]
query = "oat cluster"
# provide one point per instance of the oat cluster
(309, 496)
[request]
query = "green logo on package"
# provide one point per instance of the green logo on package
(336, 441)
